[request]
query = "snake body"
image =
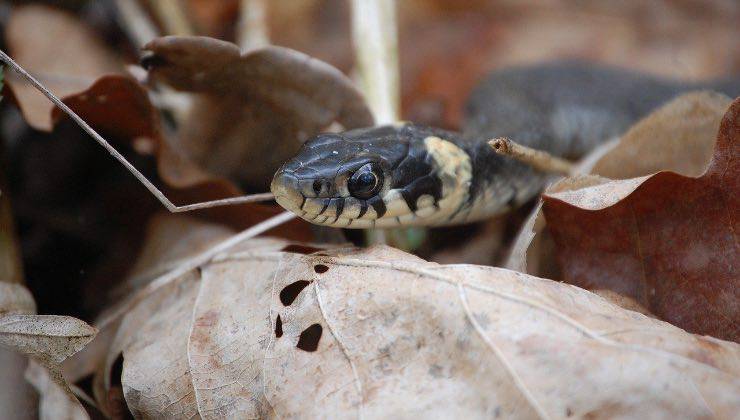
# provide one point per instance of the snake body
(413, 175)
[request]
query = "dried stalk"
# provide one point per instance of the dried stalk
(376, 47)
(252, 31)
(98, 138)
(375, 39)
(136, 23)
(172, 16)
(538, 159)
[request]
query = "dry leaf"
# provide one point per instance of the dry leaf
(665, 240)
(120, 109)
(66, 56)
(660, 141)
(379, 332)
(48, 338)
(678, 137)
(263, 103)
(532, 251)
(171, 239)
(15, 299)
(56, 401)
(162, 306)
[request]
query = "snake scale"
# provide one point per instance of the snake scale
(412, 175)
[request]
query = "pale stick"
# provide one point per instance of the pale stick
(538, 159)
(193, 263)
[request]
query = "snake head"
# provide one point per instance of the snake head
(376, 177)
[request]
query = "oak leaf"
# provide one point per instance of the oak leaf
(666, 240)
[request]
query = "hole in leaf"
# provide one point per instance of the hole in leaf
(278, 327)
(300, 249)
(320, 268)
(291, 291)
(309, 339)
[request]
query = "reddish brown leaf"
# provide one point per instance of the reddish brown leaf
(667, 240)
(119, 107)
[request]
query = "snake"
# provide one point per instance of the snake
(408, 174)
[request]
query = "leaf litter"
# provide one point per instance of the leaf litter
(462, 330)
(375, 329)
(665, 240)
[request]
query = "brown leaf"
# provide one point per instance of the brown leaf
(120, 109)
(260, 333)
(66, 56)
(665, 240)
(532, 251)
(678, 137)
(257, 108)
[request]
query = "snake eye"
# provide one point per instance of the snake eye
(365, 182)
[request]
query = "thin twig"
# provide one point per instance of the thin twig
(252, 28)
(538, 159)
(173, 18)
(376, 47)
(119, 157)
(136, 23)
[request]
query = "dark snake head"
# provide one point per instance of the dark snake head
(377, 177)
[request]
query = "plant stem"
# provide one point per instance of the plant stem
(376, 47)
(136, 23)
(172, 17)
(538, 159)
(252, 31)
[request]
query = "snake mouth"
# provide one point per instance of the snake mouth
(285, 188)
(296, 195)
(383, 211)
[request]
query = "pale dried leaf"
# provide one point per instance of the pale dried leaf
(144, 346)
(155, 365)
(56, 401)
(16, 299)
(48, 338)
(170, 240)
(383, 333)
(17, 395)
